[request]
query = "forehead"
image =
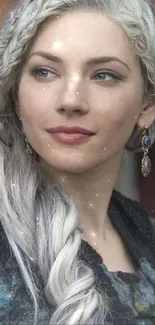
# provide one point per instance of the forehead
(83, 34)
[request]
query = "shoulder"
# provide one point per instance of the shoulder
(135, 217)
(132, 207)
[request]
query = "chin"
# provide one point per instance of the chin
(65, 165)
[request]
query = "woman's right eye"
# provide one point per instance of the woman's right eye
(43, 73)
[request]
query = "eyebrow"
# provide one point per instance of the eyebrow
(92, 61)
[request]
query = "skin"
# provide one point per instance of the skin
(75, 92)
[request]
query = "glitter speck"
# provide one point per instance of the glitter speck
(70, 85)
(13, 185)
(48, 145)
(136, 117)
(109, 180)
(57, 45)
(97, 194)
(77, 92)
(105, 149)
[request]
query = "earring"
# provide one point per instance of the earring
(28, 148)
(146, 162)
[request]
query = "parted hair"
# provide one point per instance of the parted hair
(40, 219)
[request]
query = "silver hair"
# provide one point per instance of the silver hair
(40, 219)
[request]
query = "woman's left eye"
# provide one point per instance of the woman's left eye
(106, 76)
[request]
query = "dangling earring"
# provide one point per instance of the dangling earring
(146, 162)
(28, 148)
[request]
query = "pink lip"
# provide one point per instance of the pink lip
(70, 135)
(70, 138)
(70, 130)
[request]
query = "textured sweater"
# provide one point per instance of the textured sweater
(131, 296)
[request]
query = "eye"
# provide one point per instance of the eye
(43, 73)
(106, 76)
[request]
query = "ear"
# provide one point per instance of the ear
(147, 115)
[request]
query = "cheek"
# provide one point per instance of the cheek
(116, 104)
(35, 103)
(116, 112)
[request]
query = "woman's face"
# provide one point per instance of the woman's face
(80, 72)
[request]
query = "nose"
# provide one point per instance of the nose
(73, 99)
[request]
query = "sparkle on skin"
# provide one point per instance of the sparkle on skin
(58, 45)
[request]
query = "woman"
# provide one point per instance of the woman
(77, 88)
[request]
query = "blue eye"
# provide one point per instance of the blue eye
(106, 76)
(43, 73)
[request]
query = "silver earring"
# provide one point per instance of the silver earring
(28, 148)
(146, 144)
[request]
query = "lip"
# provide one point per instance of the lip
(70, 130)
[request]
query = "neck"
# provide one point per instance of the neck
(92, 191)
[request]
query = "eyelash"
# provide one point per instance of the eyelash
(35, 73)
(114, 75)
